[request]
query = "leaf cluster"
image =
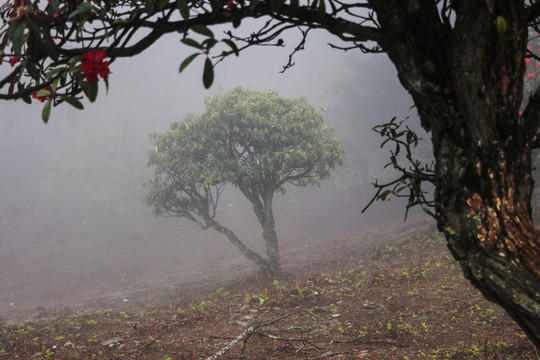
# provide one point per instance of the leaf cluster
(49, 38)
(413, 172)
(254, 140)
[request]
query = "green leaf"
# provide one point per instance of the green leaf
(54, 5)
(203, 30)
(187, 61)
(209, 43)
(192, 43)
(46, 113)
(253, 4)
(90, 90)
(232, 45)
(27, 99)
(54, 85)
(208, 73)
(32, 70)
(184, 9)
(34, 40)
(236, 18)
(52, 73)
(8, 34)
(18, 38)
(276, 4)
(43, 92)
(73, 102)
(84, 7)
(384, 195)
(293, 7)
(50, 49)
(321, 12)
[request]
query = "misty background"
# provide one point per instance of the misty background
(72, 221)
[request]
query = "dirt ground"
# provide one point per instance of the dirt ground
(47, 297)
(390, 292)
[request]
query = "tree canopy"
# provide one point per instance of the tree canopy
(463, 63)
(254, 140)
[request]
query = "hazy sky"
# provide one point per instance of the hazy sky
(146, 94)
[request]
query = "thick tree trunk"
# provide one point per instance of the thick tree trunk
(490, 232)
(466, 82)
(484, 173)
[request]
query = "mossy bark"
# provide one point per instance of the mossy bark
(466, 81)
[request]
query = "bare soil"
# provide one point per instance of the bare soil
(390, 292)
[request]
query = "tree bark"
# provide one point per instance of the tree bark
(270, 237)
(264, 265)
(262, 200)
(467, 86)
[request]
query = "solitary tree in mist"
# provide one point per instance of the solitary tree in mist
(462, 61)
(254, 140)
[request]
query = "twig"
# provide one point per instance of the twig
(222, 337)
(388, 342)
(243, 337)
(149, 344)
(273, 337)
(330, 354)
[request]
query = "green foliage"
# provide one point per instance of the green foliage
(252, 139)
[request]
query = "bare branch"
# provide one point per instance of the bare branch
(243, 337)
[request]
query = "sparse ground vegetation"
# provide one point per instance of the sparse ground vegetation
(406, 300)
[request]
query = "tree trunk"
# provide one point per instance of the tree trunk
(466, 84)
(264, 265)
(262, 207)
(270, 237)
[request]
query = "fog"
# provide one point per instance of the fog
(72, 223)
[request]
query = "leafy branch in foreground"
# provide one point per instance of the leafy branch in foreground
(413, 174)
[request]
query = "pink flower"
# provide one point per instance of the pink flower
(527, 61)
(520, 112)
(534, 138)
(93, 65)
(531, 76)
(13, 60)
(529, 48)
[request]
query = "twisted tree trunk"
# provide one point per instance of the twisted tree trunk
(262, 207)
(261, 262)
(467, 87)
(268, 225)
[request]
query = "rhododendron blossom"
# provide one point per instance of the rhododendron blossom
(531, 76)
(527, 61)
(43, 98)
(93, 66)
(13, 60)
